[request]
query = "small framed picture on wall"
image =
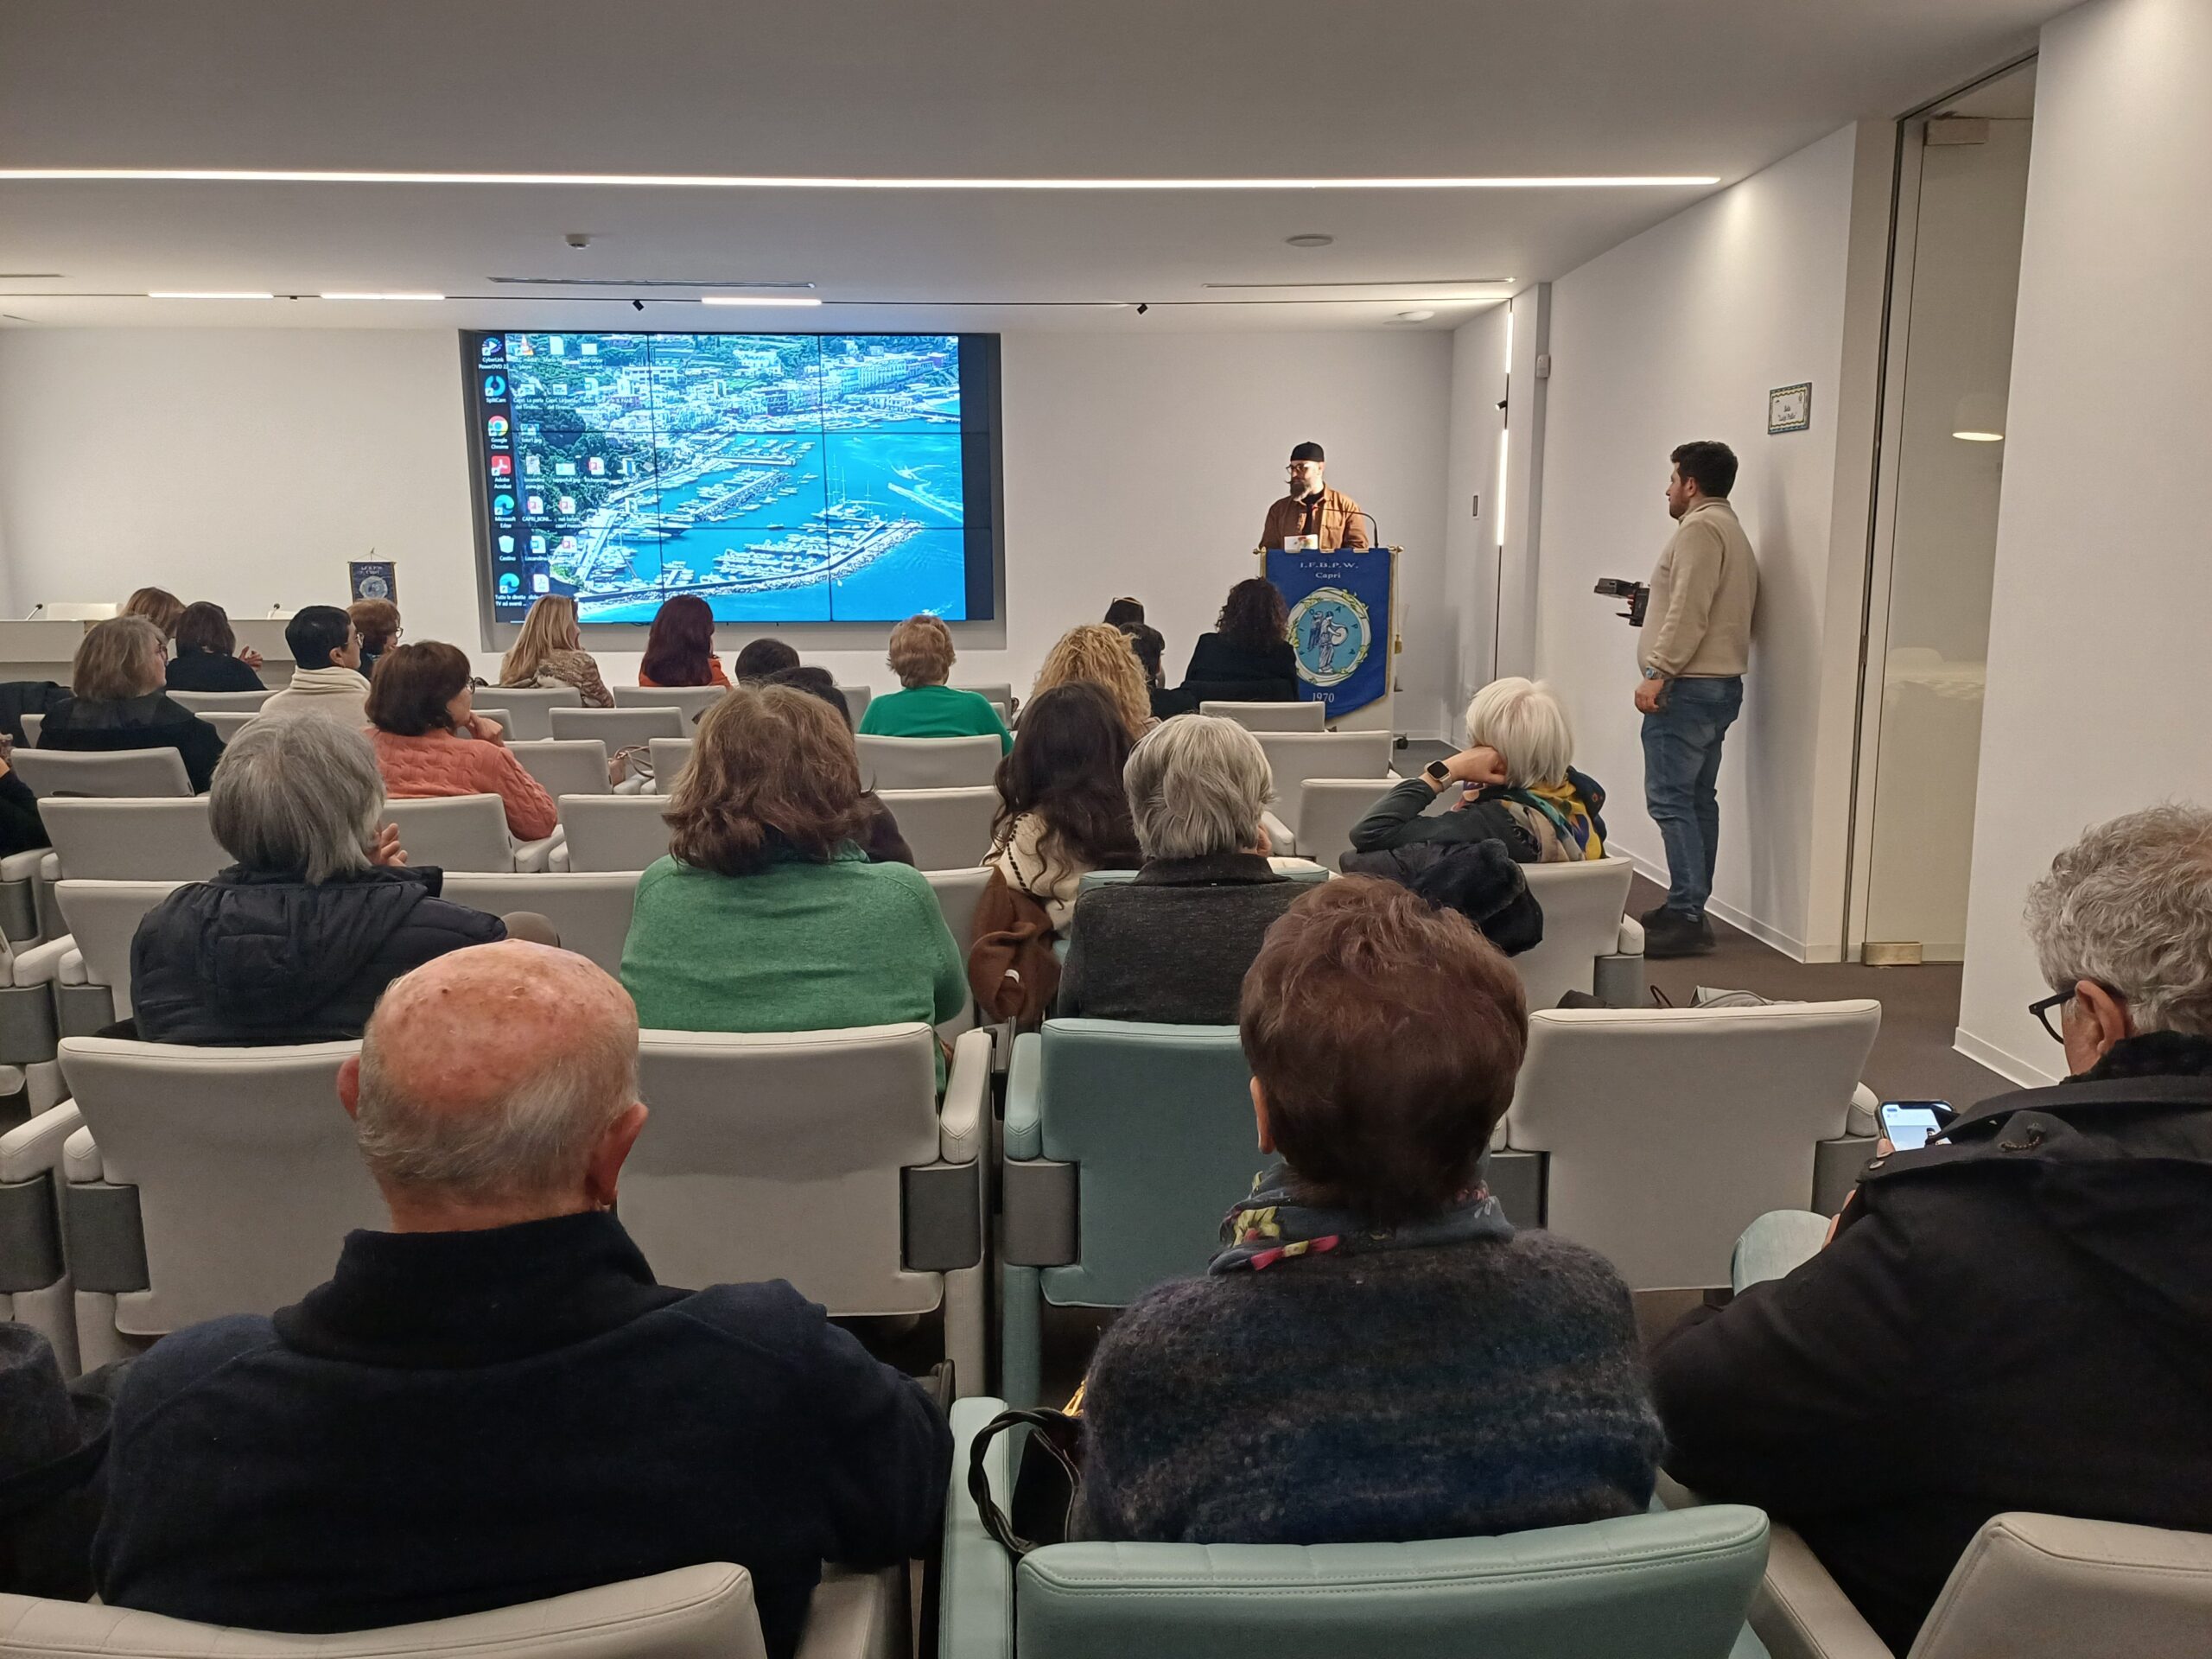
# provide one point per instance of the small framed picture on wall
(1790, 409)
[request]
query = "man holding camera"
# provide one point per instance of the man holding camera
(1696, 642)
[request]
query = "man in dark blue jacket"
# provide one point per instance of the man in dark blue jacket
(494, 1401)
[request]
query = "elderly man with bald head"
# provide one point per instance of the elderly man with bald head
(494, 1401)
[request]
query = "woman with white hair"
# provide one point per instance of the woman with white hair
(1516, 785)
(294, 942)
(1173, 944)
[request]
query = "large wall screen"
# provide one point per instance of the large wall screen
(781, 478)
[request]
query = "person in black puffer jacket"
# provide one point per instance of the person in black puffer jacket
(296, 942)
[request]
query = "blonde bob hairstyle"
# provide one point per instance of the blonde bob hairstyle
(120, 659)
(1103, 657)
(921, 651)
(157, 604)
(550, 626)
(1524, 722)
(772, 769)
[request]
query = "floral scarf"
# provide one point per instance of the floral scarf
(1272, 1226)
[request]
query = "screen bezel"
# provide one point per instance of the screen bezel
(980, 369)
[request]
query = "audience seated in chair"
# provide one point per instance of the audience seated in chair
(207, 656)
(294, 942)
(767, 915)
(328, 681)
(158, 606)
(2017, 1317)
(1173, 945)
(921, 655)
(376, 620)
(1517, 785)
(763, 656)
(494, 1401)
(680, 646)
(549, 650)
(1376, 1353)
(431, 741)
(1248, 657)
(880, 839)
(1097, 655)
(21, 828)
(117, 702)
(1063, 810)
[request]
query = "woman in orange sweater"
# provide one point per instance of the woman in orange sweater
(431, 741)
(680, 649)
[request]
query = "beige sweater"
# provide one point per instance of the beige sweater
(1698, 624)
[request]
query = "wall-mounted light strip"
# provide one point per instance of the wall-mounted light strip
(747, 181)
(756, 299)
(383, 296)
(211, 294)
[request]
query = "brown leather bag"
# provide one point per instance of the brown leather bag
(1011, 967)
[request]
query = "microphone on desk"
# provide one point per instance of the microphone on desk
(34, 610)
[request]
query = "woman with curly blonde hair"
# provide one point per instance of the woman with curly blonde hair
(1104, 657)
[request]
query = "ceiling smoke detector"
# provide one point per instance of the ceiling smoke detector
(1309, 239)
(1414, 316)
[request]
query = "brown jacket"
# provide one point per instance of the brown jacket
(1335, 518)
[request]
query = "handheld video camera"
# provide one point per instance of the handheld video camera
(1638, 594)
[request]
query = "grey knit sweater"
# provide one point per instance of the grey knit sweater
(1450, 1391)
(1174, 944)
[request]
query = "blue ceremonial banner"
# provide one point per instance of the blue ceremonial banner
(1339, 623)
(372, 579)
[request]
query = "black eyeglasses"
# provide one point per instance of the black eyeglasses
(2042, 1010)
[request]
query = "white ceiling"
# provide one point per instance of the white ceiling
(961, 88)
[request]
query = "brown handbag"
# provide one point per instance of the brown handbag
(1011, 967)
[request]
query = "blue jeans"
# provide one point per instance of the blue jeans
(1682, 762)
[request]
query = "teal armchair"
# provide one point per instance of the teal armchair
(1647, 1586)
(1126, 1144)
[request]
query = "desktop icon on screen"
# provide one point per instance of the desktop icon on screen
(589, 348)
(496, 427)
(534, 504)
(537, 544)
(506, 543)
(568, 504)
(495, 387)
(540, 583)
(564, 469)
(503, 506)
(510, 582)
(555, 346)
(595, 466)
(490, 347)
(531, 464)
(503, 466)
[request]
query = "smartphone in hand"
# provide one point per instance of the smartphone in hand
(1907, 1124)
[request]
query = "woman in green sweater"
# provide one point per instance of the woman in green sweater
(767, 916)
(921, 656)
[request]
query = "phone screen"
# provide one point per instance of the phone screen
(1908, 1123)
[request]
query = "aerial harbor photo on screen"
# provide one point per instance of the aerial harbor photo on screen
(779, 477)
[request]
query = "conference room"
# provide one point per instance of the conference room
(988, 830)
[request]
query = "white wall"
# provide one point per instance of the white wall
(1470, 541)
(1677, 334)
(247, 466)
(2102, 610)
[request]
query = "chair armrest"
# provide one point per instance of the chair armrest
(41, 963)
(1866, 1114)
(962, 1118)
(1631, 938)
(1800, 1614)
(49, 867)
(532, 856)
(25, 866)
(558, 858)
(80, 1157)
(1279, 840)
(976, 1593)
(71, 971)
(1025, 1126)
(36, 1148)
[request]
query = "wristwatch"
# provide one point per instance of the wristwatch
(1437, 772)
(1653, 674)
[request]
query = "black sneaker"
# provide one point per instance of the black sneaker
(1670, 933)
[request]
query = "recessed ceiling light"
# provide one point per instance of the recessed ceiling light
(747, 181)
(755, 299)
(1981, 437)
(383, 297)
(1310, 240)
(211, 294)
(1415, 316)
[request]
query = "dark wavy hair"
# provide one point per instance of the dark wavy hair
(1066, 767)
(1254, 616)
(681, 644)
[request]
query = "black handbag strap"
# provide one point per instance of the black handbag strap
(1055, 1431)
